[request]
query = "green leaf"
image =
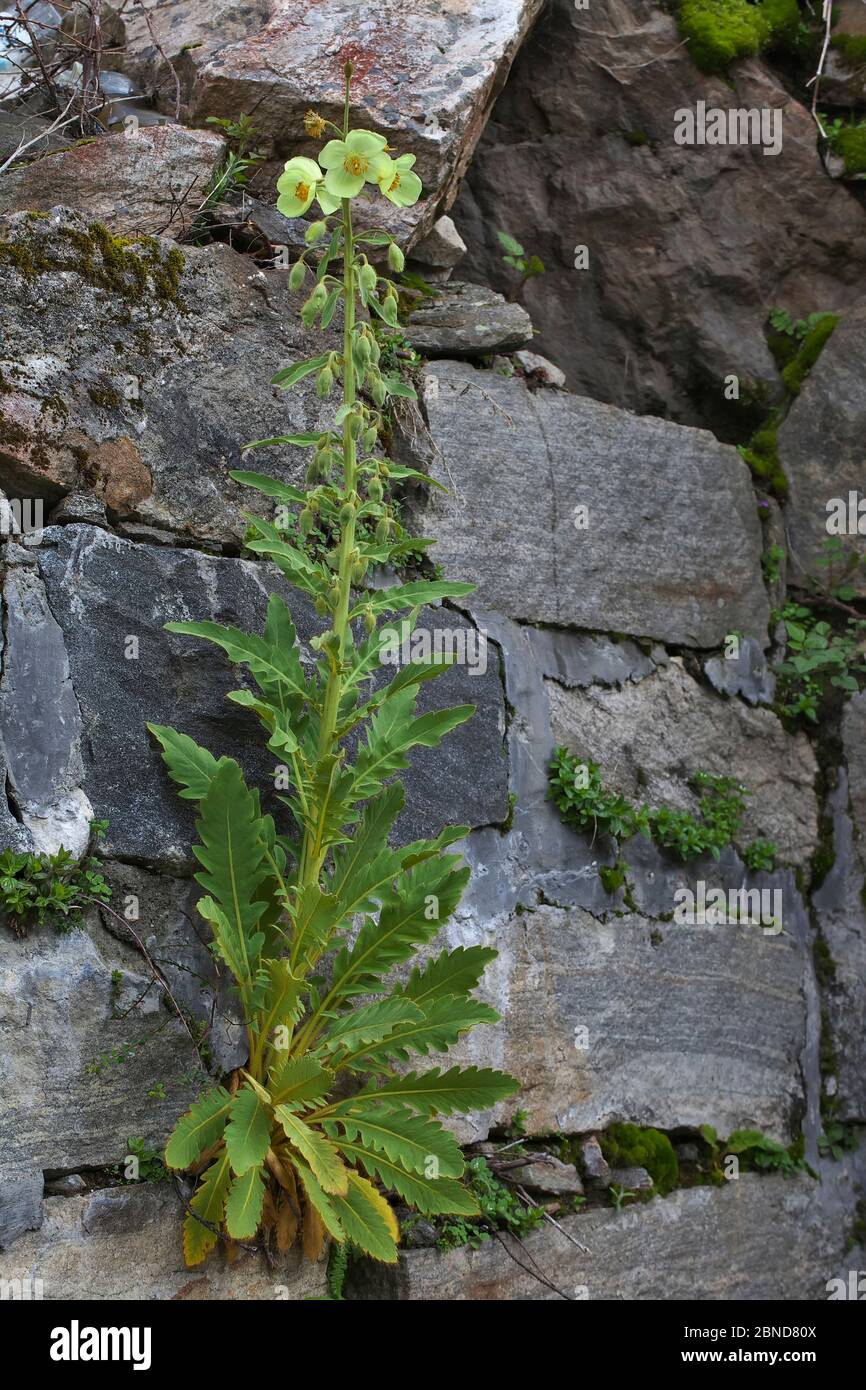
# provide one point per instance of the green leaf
(289, 375)
(248, 1132)
(412, 595)
(418, 1144)
(369, 1024)
(198, 1129)
(452, 973)
(277, 669)
(297, 1082)
(208, 1203)
(509, 244)
(319, 1153)
(300, 441)
(234, 838)
(453, 1092)
(188, 764)
(393, 731)
(432, 1196)
(444, 1021)
(323, 1203)
(244, 1204)
(362, 1217)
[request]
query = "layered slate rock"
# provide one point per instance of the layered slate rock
(821, 451)
(425, 75)
(125, 1243)
(640, 1020)
(467, 321)
(565, 511)
(650, 739)
(110, 599)
(152, 180)
(687, 244)
(756, 1238)
(139, 371)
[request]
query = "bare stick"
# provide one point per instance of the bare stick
(164, 56)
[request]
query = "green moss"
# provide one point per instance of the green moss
(850, 144)
(721, 31)
(127, 267)
(627, 1146)
(809, 351)
(851, 46)
(762, 456)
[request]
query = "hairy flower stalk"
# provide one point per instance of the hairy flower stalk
(287, 1149)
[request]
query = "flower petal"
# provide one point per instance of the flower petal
(308, 168)
(365, 142)
(343, 185)
(333, 154)
(290, 206)
(405, 161)
(327, 202)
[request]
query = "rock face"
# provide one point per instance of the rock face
(687, 245)
(151, 181)
(425, 74)
(467, 321)
(110, 599)
(565, 511)
(140, 374)
(125, 1243)
(821, 450)
(757, 1238)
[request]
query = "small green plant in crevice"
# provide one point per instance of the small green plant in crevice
(847, 139)
(514, 255)
(619, 1196)
(500, 1210)
(241, 158)
(771, 563)
(755, 1152)
(141, 1164)
(52, 889)
(818, 657)
(796, 346)
(586, 804)
(338, 1267)
(836, 1139)
(760, 854)
(629, 1146)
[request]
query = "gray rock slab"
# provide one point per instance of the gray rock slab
(125, 1244)
(668, 545)
(756, 1238)
(151, 180)
(634, 1020)
(467, 321)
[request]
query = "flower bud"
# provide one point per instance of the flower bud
(396, 259)
(312, 474)
(324, 382)
(362, 348)
(314, 233)
(305, 521)
(375, 490)
(369, 620)
(331, 643)
(359, 570)
(383, 529)
(321, 606)
(370, 438)
(347, 513)
(296, 275)
(377, 390)
(367, 278)
(356, 426)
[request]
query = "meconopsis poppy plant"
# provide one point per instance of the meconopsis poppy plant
(317, 917)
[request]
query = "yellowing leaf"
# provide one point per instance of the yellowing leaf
(207, 1203)
(364, 1221)
(327, 1166)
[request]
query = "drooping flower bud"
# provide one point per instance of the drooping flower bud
(396, 259)
(324, 382)
(296, 275)
(315, 232)
(367, 278)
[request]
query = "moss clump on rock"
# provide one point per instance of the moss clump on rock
(762, 455)
(128, 267)
(628, 1146)
(850, 144)
(852, 47)
(720, 31)
(808, 353)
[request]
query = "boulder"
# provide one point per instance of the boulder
(109, 599)
(688, 246)
(124, 1243)
(821, 451)
(138, 373)
(150, 180)
(425, 76)
(467, 321)
(562, 510)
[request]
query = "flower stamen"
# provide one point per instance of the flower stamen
(356, 164)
